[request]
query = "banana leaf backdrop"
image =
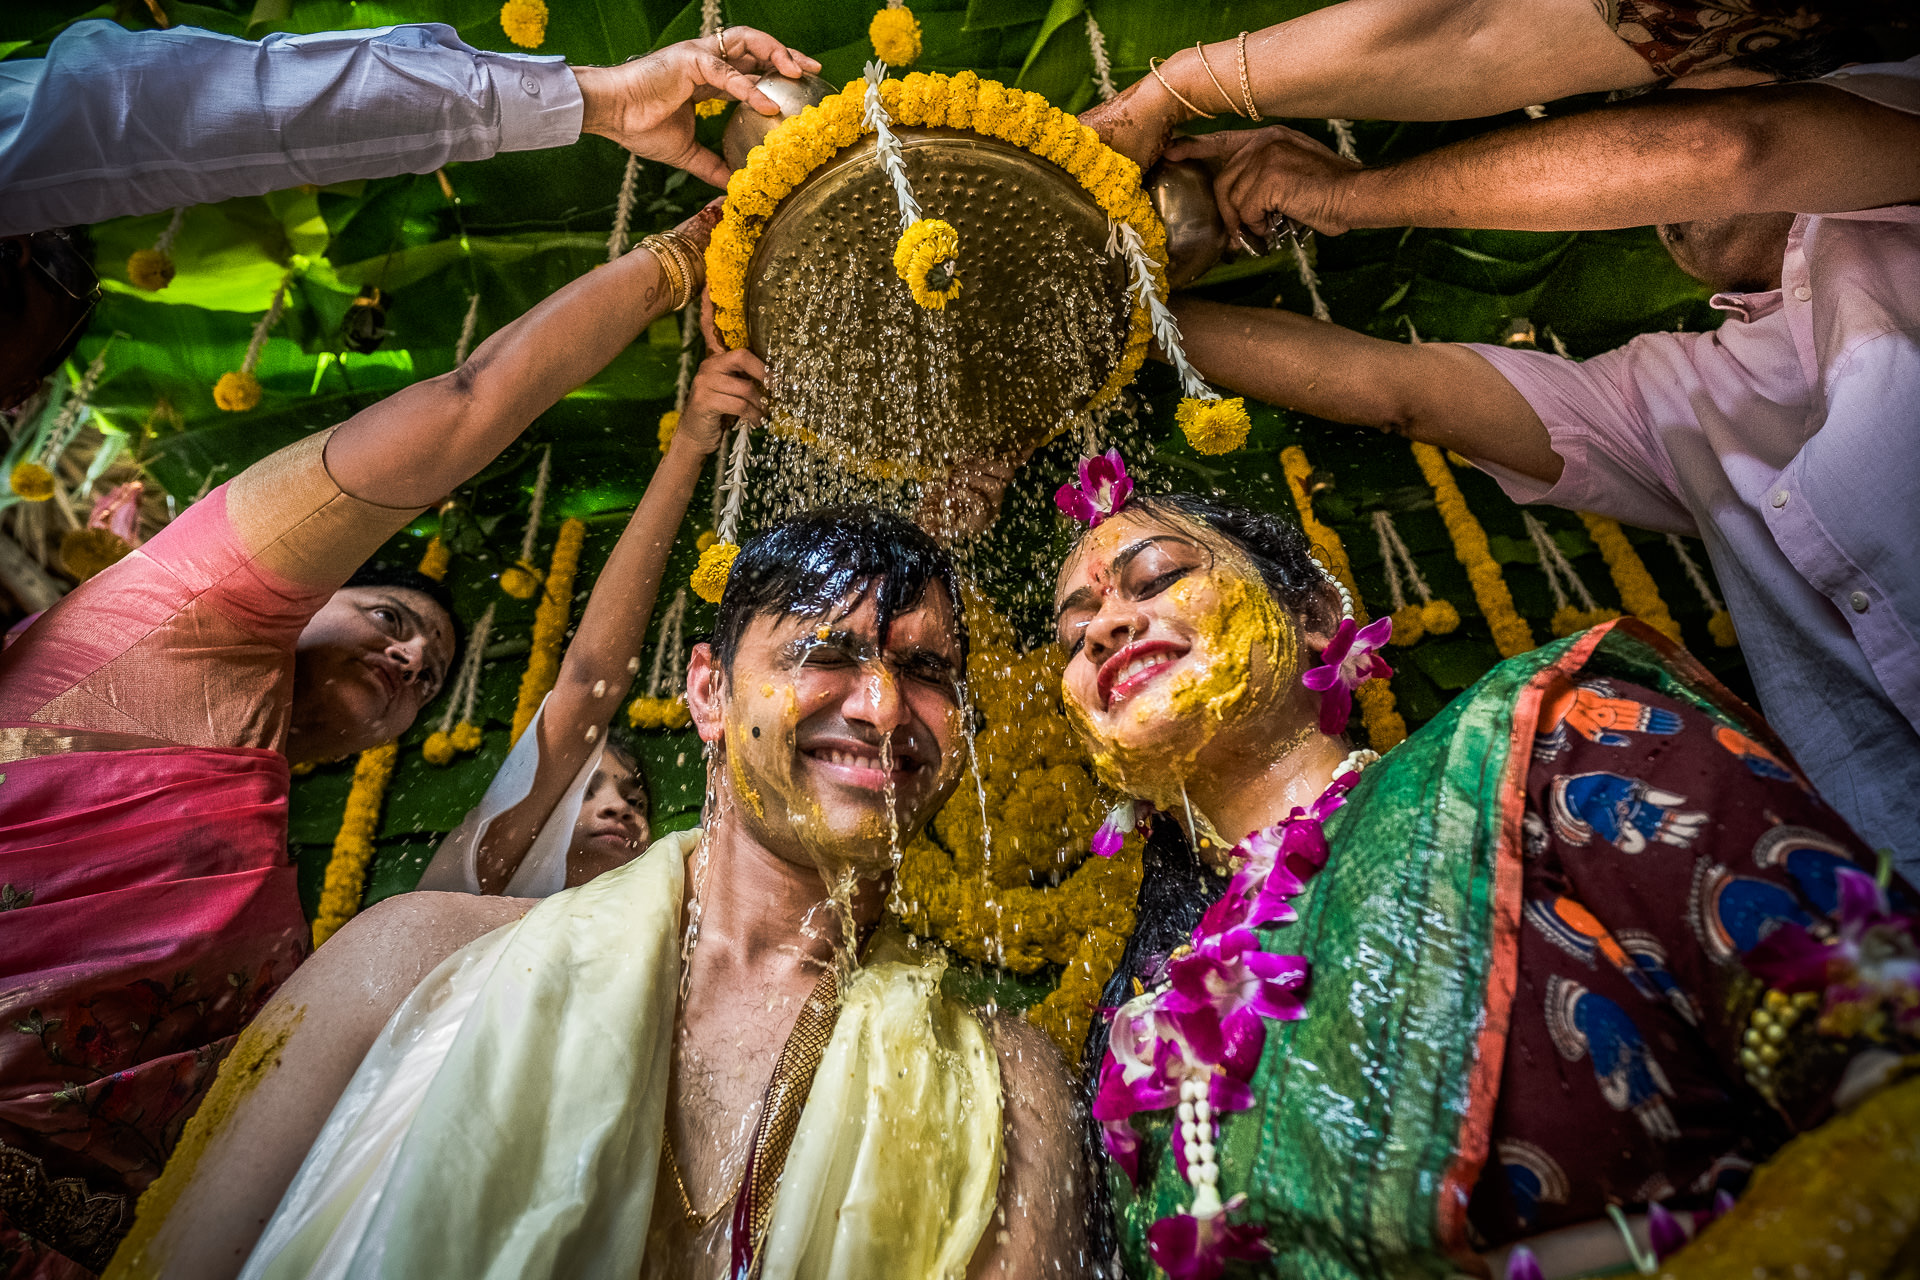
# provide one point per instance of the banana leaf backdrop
(526, 223)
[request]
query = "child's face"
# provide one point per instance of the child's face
(612, 827)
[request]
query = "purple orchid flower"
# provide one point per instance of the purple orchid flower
(1664, 1231)
(1873, 955)
(1189, 1247)
(1228, 973)
(1103, 489)
(1522, 1265)
(1112, 835)
(1351, 661)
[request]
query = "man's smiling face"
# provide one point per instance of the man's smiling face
(820, 719)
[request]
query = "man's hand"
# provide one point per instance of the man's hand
(1263, 175)
(729, 387)
(647, 105)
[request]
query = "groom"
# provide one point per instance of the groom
(658, 1073)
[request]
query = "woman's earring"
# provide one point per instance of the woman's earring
(1346, 596)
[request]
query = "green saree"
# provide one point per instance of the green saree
(1372, 1115)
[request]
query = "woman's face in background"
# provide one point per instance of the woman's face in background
(612, 829)
(1175, 645)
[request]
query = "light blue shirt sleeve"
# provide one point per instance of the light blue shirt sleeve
(113, 122)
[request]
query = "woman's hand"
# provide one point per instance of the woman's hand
(728, 386)
(965, 502)
(646, 105)
(1264, 175)
(1139, 123)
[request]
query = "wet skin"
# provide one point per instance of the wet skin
(817, 720)
(365, 665)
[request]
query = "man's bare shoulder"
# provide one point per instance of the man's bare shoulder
(386, 950)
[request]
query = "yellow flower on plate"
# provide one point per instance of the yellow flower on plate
(32, 481)
(710, 577)
(525, 22)
(669, 423)
(929, 246)
(1214, 426)
(237, 392)
(149, 269)
(896, 36)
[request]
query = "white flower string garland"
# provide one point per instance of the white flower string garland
(926, 257)
(716, 561)
(1410, 621)
(451, 737)
(1212, 425)
(662, 704)
(1566, 619)
(521, 580)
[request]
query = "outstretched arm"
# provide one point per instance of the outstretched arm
(597, 672)
(420, 443)
(1439, 393)
(1679, 156)
(1383, 60)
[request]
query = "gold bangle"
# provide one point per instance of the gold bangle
(683, 253)
(1151, 66)
(1246, 89)
(670, 266)
(1201, 49)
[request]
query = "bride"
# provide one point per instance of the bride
(1565, 951)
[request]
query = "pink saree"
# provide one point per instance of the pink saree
(147, 904)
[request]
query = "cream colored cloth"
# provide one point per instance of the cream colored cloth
(508, 1121)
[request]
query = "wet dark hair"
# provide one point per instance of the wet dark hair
(830, 559)
(383, 573)
(1278, 547)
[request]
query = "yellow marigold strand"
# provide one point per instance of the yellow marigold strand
(346, 878)
(1386, 728)
(1638, 593)
(550, 624)
(1511, 634)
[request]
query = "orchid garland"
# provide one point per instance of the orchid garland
(1193, 1041)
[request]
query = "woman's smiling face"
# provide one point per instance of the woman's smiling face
(1172, 638)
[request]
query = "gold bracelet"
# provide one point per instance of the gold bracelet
(671, 266)
(1246, 89)
(1204, 115)
(1225, 97)
(690, 264)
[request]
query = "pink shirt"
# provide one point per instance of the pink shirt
(1789, 441)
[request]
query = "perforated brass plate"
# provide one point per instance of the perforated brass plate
(862, 372)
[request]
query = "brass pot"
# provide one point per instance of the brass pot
(1182, 194)
(860, 371)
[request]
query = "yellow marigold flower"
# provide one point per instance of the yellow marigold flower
(467, 736)
(85, 552)
(710, 578)
(237, 392)
(927, 245)
(149, 269)
(896, 36)
(520, 581)
(1439, 617)
(32, 481)
(438, 748)
(658, 713)
(1720, 627)
(436, 559)
(669, 423)
(706, 539)
(525, 22)
(1214, 426)
(708, 108)
(1408, 627)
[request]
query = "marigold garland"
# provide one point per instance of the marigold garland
(927, 244)
(1511, 634)
(922, 99)
(1386, 728)
(550, 624)
(986, 892)
(895, 34)
(1214, 426)
(31, 482)
(353, 848)
(1638, 593)
(525, 22)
